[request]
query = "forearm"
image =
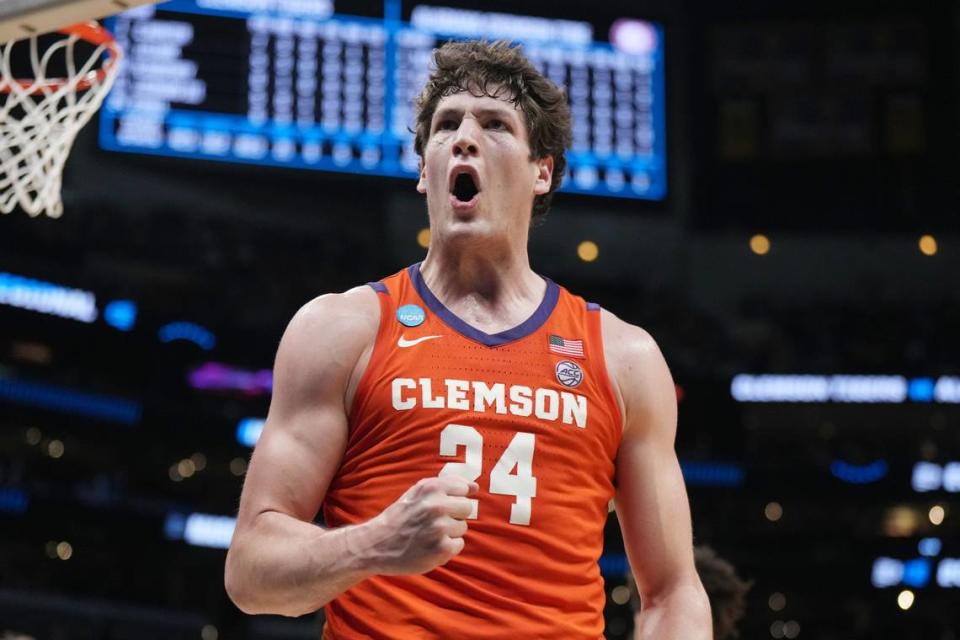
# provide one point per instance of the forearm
(285, 566)
(682, 613)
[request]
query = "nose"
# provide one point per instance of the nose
(465, 142)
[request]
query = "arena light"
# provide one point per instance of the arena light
(238, 466)
(917, 573)
(423, 238)
(216, 376)
(200, 529)
(773, 511)
(588, 251)
(901, 521)
(930, 547)
(927, 245)
(614, 564)
(64, 550)
(947, 390)
(926, 476)
(817, 388)
(859, 474)
(190, 332)
(249, 430)
(760, 244)
(47, 298)
(633, 36)
(620, 594)
(936, 515)
(466, 23)
(712, 474)
(948, 573)
(777, 601)
(121, 314)
(843, 388)
(66, 400)
(791, 629)
(920, 390)
(887, 572)
(929, 476)
(13, 500)
(776, 629)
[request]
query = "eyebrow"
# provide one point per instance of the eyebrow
(484, 112)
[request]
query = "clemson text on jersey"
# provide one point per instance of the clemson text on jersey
(466, 395)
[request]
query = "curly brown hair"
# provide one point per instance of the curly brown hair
(499, 69)
(725, 590)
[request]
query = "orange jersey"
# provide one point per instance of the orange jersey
(530, 415)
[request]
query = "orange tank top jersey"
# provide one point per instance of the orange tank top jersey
(530, 415)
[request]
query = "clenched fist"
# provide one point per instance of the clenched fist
(424, 528)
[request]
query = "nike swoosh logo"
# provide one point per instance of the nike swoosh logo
(403, 342)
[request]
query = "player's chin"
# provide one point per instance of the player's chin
(465, 226)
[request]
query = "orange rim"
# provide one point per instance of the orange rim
(92, 33)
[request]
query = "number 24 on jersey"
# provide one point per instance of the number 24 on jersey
(503, 481)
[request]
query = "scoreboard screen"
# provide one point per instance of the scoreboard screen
(308, 85)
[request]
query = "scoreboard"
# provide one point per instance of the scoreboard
(307, 85)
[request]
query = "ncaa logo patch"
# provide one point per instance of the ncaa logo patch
(410, 315)
(569, 374)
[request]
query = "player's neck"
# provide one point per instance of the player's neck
(481, 287)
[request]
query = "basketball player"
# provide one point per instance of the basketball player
(465, 422)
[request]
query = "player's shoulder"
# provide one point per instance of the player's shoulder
(623, 340)
(335, 326)
(356, 306)
(635, 363)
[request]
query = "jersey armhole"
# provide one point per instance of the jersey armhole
(595, 324)
(376, 355)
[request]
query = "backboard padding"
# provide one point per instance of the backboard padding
(24, 18)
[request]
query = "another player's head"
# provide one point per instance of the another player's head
(485, 105)
(725, 590)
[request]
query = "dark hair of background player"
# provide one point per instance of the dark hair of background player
(726, 591)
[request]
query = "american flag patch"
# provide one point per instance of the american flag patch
(566, 347)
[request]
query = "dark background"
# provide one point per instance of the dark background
(830, 127)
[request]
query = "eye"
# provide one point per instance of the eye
(446, 125)
(496, 124)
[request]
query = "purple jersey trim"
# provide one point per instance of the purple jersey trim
(593, 306)
(379, 287)
(522, 330)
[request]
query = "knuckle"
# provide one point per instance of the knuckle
(437, 547)
(432, 485)
(435, 509)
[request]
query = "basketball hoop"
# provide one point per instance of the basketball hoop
(41, 115)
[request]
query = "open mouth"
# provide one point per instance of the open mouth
(464, 187)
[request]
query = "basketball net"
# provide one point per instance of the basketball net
(40, 116)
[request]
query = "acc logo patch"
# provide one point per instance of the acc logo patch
(410, 315)
(569, 374)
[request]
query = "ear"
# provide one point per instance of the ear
(544, 169)
(422, 182)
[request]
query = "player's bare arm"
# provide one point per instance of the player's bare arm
(651, 499)
(280, 561)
